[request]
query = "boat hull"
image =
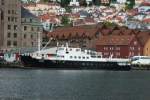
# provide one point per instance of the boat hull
(28, 61)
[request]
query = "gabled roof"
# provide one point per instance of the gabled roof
(73, 32)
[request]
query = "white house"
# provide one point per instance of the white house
(49, 21)
(121, 1)
(40, 9)
(137, 2)
(74, 3)
(88, 1)
(144, 9)
(27, 1)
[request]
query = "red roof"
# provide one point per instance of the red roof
(49, 17)
(132, 12)
(145, 4)
(73, 32)
(143, 36)
(147, 20)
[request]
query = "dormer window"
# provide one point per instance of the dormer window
(75, 57)
(77, 49)
(30, 20)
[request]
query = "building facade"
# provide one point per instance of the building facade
(31, 29)
(124, 46)
(10, 22)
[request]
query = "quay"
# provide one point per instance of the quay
(5, 64)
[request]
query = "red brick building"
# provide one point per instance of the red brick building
(119, 46)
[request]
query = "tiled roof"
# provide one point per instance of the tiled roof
(132, 12)
(117, 32)
(26, 13)
(147, 20)
(85, 21)
(91, 20)
(145, 4)
(47, 16)
(73, 32)
(143, 36)
(105, 31)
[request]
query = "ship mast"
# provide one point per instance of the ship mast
(39, 42)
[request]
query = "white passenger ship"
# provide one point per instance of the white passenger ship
(72, 58)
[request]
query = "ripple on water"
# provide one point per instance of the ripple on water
(41, 84)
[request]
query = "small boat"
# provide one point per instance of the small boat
(65, 57)
(140, 62)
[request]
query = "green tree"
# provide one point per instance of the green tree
(65, 3)
(83, 3)
(113, 1)
(109, 24)
(65, 20)
(130, 4)
(96, 2)
(46, 0)
(68, 9)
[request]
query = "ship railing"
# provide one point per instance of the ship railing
(119, 59)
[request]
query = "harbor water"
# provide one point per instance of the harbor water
(45, 84)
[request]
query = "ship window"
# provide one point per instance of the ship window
(67, 52)
(75, 57)
(70, 49)
(82, 50)
(71, 57)
(61, 48)
(87, 57)
(77, 49)
(83, 57)
(79, 57)
(88, 52)
(93, 56)
(98, 56)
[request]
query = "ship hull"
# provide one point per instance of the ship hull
(28, 61)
